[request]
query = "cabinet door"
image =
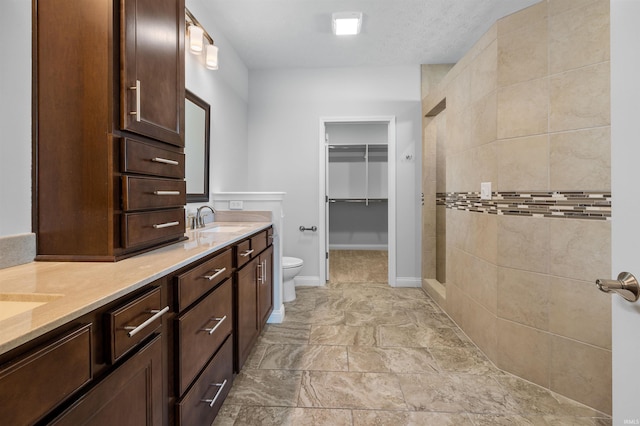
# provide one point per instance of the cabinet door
(131, 395)
(152, 62)
(265, 286)
(247, 317)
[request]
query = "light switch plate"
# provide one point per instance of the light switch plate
(235, 205)
(485, 191)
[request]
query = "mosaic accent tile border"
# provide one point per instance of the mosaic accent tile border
(556, 204)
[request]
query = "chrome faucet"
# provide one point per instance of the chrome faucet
(199, 218)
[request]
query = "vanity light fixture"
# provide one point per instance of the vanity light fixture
(195, 39)
(200, 42)
(346, 23)
(211, 57)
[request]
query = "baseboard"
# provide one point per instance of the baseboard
(358, 247)
(277, 316)
(308, 281)
(408, 282)
(436, 291)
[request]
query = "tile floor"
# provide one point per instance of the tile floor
(363, 353)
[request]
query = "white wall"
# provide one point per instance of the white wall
(285, 108)
(15, 117)
(227, 91)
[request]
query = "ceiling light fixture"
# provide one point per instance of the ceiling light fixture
(346, 23)
(200, 41)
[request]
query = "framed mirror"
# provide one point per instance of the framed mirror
(197, 116)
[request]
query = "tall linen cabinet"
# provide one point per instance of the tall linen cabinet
(108, 109)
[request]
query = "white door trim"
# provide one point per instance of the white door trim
(391, 141)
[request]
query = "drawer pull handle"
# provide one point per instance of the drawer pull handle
(165, 225)
(246, 253)
(166, 192)
(137, 111)
(135, 329)
(213, 401)
(212, 330)
(164, 161)
(216, 274)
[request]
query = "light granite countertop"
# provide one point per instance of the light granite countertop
(72, 289)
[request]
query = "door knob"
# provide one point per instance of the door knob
(626, 286)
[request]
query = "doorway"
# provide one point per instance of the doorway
(357, 197)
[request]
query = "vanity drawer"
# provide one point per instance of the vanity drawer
(202, 403)
(152, 227)
(133, 322)
(202, 278)
(140, 193)
(259, 242)
(201, 331)
(34, 384)
(243, 252)
(145, 158)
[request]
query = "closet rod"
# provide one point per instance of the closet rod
(357, 200)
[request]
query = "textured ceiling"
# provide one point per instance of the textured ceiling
(297, 33)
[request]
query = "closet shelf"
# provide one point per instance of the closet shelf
(357, 200)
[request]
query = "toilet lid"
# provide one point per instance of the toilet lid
(291, 262)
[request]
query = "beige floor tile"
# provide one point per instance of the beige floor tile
(281, 416)
(535, 400)
(318, 316)
(357, 318)
(408, 418)
(455, 393)
(287, 332)
(413, 336)
(265, 388)
(430, 319)
(467, 359)
(409, 364)
(351, 390)
(390, 360)
(305, 357)
(343, 335)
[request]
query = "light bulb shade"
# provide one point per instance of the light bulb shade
(195, 39)
(346, 23)
(211, 58)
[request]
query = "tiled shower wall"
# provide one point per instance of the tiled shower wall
(528, 109)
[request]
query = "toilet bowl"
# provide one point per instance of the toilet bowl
(291, 266)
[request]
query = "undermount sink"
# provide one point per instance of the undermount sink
(223, 228)
(12, 304)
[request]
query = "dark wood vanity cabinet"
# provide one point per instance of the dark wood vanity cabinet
(107, 367)
(164, 354)
(254, 292)
(108, 127)
(131, 395)
(152, 63)
(203, 332)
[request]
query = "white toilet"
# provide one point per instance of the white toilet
(291, 266)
